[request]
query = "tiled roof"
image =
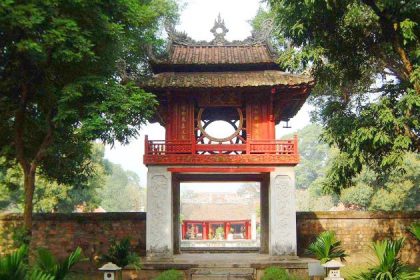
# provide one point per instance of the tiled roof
(247, 54)
(216, 212)
(226, 79)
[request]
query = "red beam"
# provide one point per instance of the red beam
(220, 170)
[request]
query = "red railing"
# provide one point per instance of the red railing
(277, 147)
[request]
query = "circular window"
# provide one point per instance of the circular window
(220, 124)
(219, 30)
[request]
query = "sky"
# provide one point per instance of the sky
(196, 19)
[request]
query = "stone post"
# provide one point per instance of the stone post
(159, 228)
(282, 212)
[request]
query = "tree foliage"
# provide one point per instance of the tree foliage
(122, 191)
(51, 196)
(65, 69)
(364, 56)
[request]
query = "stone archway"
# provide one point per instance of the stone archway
(263, 179)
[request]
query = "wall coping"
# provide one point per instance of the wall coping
(358, 215)
(108, 216)
(141, 216)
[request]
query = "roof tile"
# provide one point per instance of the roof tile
(246, 54)
(225, 79)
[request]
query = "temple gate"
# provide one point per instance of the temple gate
(198, 83)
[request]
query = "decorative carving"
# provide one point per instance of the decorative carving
(159, 216)
(218, 159)
(219, 31)
(238, 129)
(282, 213)
(257, 36)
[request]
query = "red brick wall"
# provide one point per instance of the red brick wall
(62, 233)
(92, 231)
(357, 230)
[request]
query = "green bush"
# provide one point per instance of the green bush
(359, 195)
(15, 265)
(47, 263)
(277, 273)
(171, 274)
(415, 230)
(326, 247)
(121, 253)
(389, 265)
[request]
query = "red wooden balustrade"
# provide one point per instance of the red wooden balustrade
(278, 147)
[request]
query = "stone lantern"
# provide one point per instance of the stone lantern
(110, 270)
(333, 270)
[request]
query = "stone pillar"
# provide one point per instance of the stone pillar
(159, 227)
(282, 212)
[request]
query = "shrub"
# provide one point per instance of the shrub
(326, 247)
(277, 273)
(389, 265)
(121, 253)
(15, 266)
(359, 195)
(47, 263)
(415, 230)
(171, 274)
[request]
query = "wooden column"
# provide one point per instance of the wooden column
(247, 230)
(205, 233)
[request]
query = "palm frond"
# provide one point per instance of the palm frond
(415, 230)
(326, 247)
(389, 265)
(46, 262)
(64, 268)
(39, 275)
(14, 265)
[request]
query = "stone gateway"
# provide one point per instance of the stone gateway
(237, 83)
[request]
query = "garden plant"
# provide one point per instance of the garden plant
(171, 274)
(15, 265)
(389, 266)
(326, 247)
(277, 273)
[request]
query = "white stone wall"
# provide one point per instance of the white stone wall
(159, 230)
(282, 212)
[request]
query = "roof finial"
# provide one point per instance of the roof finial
(219, 31)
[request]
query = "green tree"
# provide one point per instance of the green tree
(395, 192)
(51, 196)
(65, 80)
(364, 56)
(122, 191)
(314, 155)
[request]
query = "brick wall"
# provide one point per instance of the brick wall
(62, 233)
(92, 231)
(357, 230)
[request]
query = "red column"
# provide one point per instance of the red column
(207, 230)
(227, 229)
(248, 230)
(205, 233)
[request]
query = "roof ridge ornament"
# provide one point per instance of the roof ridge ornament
(219, 31)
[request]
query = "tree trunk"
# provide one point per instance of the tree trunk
(29, 187)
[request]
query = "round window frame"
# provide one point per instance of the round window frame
(225, 139)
